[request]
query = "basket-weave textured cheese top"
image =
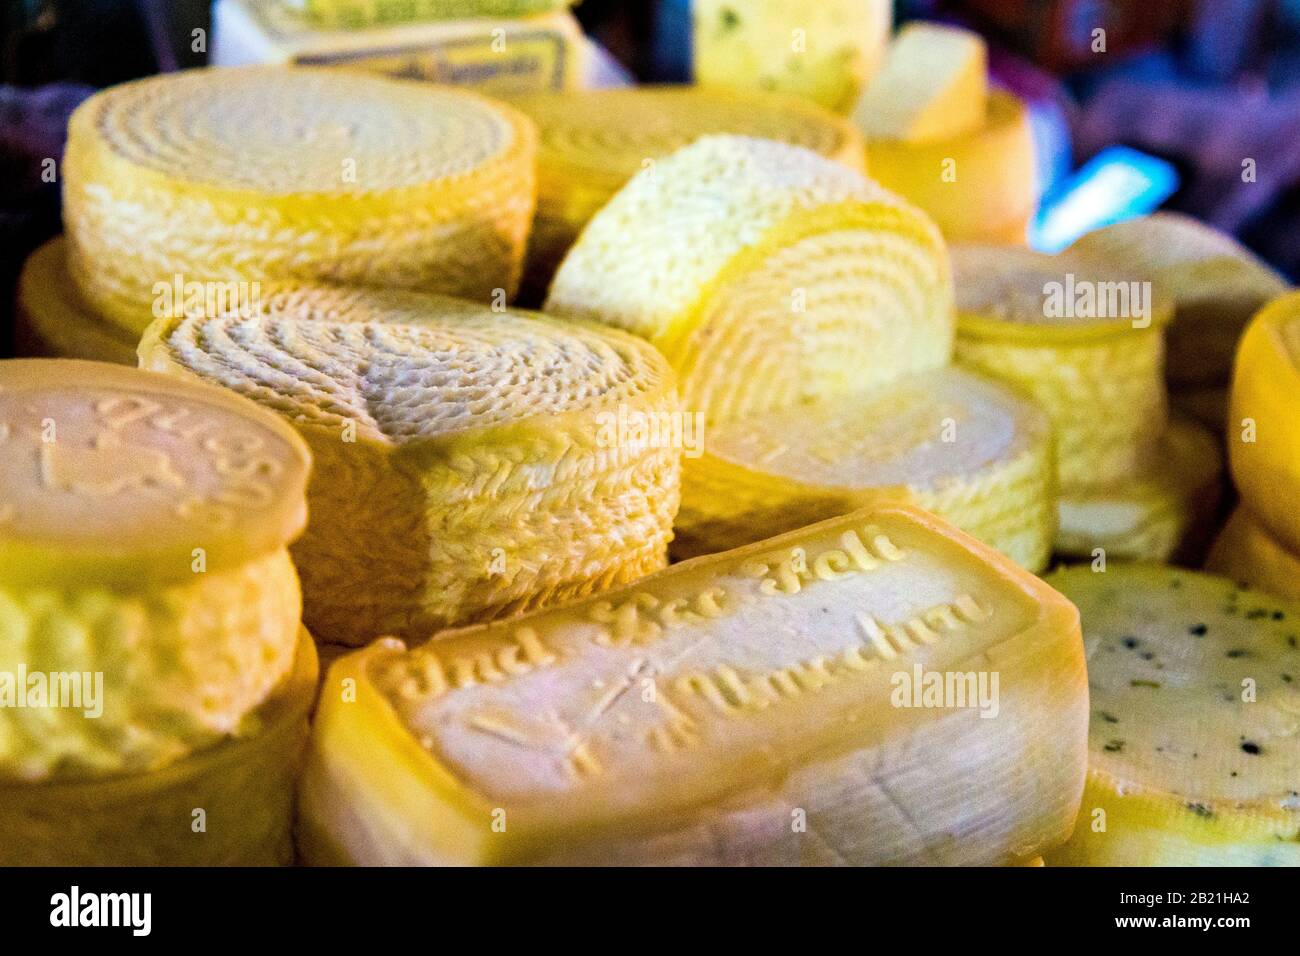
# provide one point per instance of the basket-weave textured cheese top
(1170, 653)
(116, 474)
(294, 173)
(767, 274)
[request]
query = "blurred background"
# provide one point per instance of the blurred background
(1192, 105)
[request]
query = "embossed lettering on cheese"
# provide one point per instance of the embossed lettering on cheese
(734, 660)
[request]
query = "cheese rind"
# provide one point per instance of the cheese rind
(933, 86)
(244, 785)
(1157, 514)
(592, 142)
(364, 13)
(480, 451)
(980, 186)
(1081, 339)
(1264, 419)
(768, 275)
(694, 716)
(961, 447)
(233, 177)
(1246, 552)
(51, 321)
(116, 476)
(1194, 748)
(1215, 282)
(825, 51)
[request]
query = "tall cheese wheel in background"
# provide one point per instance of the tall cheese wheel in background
(690, 717)
(966, 449)
(1216, 284)
(1097, 371)
(245, 787)
(1264, 419)
(143, 536)
(592, 142)
(277, 173)
(770, 276)
(1245, 551)
(365, 13)
(1164, 512)
(825, 51)
(469, 463)
(1194, 745)
(979, 186)
(52, 321)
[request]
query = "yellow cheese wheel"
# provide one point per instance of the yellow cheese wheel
(243, 786)
(966, 449)
(277, 173)
(592, 142)
(764, 706)
(1194, 744)
(1158, 514)
(1245, 551)
(825, 51)
(1216, 284)
(52, 321)
(979, 186)
(470, 463)
(1264, 419)
(365, 13)
(1079, 339)
(769, 276)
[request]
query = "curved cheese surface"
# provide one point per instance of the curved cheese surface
(1194, 746)
(962, 447)
(114, 474)
(482, 448)
(767, 274)
(692, 716)
(1245, 551)
(268, 173)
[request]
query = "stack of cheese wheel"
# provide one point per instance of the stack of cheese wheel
(293, 174)
(690, 717)
(362, 13)
(786, 288)
(1215, 284)
(52, 321)
(469, 463)
(940, 139)
(591, 143)
(1086, 342)
(824, 51)
(157, 674)
(1194, 747)
(1261, 543)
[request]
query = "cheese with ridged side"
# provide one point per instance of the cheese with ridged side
(933, 86)
(768, 275)
(1079, 338)
(52, 321)
(365, 13)
(978, 186)
(741, 708)
(962, 447)
(1194, 744)
(1158, 514)
(493, 55)
(1264, 419)
(1216, 283)
(143, 536)
(289, 173)
(824, 51)
(1245, 551)
(469, 462)
(244, 785)
(590, 143)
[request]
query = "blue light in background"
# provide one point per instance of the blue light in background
(1118, 183)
